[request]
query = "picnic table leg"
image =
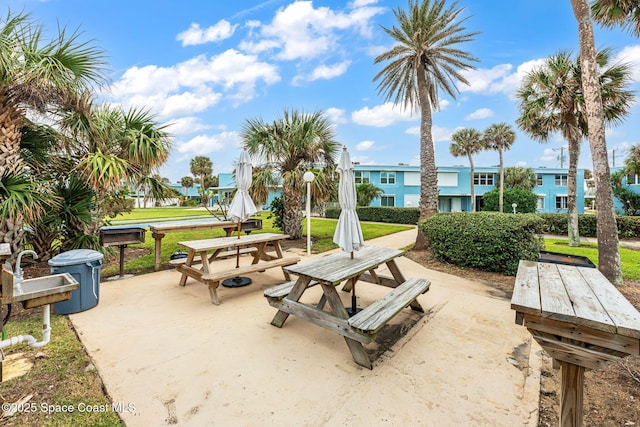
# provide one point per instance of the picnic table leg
(188, 262)
(571, 395)
(399, 278)
(158, 238)
(295, 294)
(356, 348)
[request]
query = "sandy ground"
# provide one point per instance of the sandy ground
(170, 357)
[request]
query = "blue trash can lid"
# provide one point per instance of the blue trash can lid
(75, 257)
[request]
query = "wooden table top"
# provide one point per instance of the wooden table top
(231, 241)
(190, 224)
(337, 267)
(576, 295)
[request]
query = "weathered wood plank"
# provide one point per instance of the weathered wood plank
(231, 241)
(571, 401)
(554, 300)
(584, 334)
(570, 353)
(586, 306)
(334, 268)
(377, 279)
(319, 317)
(620, 310)
(372, 318)
(246, 269)
(526, 291)
(282, 290)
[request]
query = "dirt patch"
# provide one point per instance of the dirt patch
(611, 397)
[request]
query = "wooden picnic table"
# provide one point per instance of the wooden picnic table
(330, 271)
(221, 247)
(580, 319)
(160, 229)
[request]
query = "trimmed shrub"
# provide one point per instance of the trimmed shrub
(485, 240)
(556, 223)
(381, 214)
(526, 200)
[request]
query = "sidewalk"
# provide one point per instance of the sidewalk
(183, 361)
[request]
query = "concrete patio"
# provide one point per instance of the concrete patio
(176, 359)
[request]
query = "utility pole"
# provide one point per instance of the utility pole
(561, 156)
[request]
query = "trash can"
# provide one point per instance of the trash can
(84, 265)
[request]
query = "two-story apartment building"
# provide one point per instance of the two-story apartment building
(401, 186)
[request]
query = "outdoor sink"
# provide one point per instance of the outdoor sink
(46, 290)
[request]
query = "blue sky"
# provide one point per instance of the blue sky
(205, 67)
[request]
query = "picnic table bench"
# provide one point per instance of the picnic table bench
(579, 318)
(332, 270)
(255, 244)
(160, 229)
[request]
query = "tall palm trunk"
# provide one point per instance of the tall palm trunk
(10, 136)
(473, 189)
(428, 172)
(608, 250)
(11, 163)
(501, 201)
(572, 200)
(292, 216)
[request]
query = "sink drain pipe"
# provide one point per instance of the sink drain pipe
(29, 339)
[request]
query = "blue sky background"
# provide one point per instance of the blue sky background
(207, 66)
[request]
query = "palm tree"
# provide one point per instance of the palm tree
(608, 251)
(40, 77)
(467, 142)
(551, 99)
(201, 167)
(366, 192)
(499, 137)
(186, 182)
(287, 147)
(622, 13)
(425, 60)
(518, 177)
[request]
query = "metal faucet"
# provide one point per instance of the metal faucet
(18, 275)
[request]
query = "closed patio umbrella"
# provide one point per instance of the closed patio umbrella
(348, 234)
(241, 208)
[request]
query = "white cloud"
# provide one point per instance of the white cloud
(330, 71)
(548, 155)
(207, 144)
(188, 125)
(481, 113)
(439, 134)
(630, 55)
(195, 35)
(336, 115)
(381, 115)
(365, 145)
(521, 164)
(499, 79)
(300, 31)
(194, 85)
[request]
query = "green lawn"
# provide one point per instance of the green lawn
(630, 258)
(158, 214)
(321, 232)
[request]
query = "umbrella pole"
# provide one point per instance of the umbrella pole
(238, 249)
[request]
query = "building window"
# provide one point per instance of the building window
(561, 202)
(483, 179)
(388, 178)
(388, 201)
(539, 179)
(361, 177)
(633, 179)
(540, 205)
(561, 180)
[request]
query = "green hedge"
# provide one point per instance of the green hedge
(381, 214)
(485, 240)
(556, 223)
